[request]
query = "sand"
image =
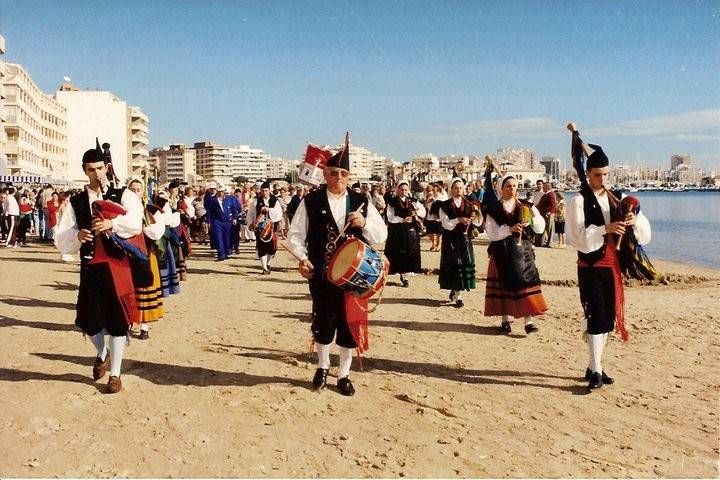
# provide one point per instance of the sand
(222, 387)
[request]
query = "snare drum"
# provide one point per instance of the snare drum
(358, 269)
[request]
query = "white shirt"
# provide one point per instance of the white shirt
(125, 226)
(275, 213)
(392, 218)
(497, 232)
(189, 204)
(591, 238)
(374, 231)
(451, 224)
(10, 206)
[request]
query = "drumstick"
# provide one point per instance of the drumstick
(291, 252)
(348, 223)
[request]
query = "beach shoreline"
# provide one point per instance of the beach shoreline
(222, 387)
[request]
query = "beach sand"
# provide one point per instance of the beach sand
(222, 388)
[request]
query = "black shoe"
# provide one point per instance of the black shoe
(453, 294)
(405, 282)
(144, 334)
(596, 381)
(605, 379)
(236, 251)
(346, 387)
(530, 327)
(320, 378)
(265, 271)
(505, 327)
(459, 304)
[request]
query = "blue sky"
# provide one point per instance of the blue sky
(640, 78)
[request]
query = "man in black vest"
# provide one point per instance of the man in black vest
(263, 209)
(594, 224)
(103, 306)
(316, 224)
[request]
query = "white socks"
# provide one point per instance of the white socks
(346, 355)
(528, 321)
(458, 296)
(323, 352)
(264, 261)
(506, 319)
(596, 344)
(144, 327)
(99, 341)
(117, 348)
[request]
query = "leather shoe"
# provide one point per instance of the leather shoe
(595, 381)
(320, 378)
(100, 368)
(144, 334)
(405, 283)
(505, 327)
(530, 327)
(114, 384)
(605, 379)
(453, 294)
(459, 304)
(346, 387)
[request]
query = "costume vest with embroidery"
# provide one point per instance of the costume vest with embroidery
(594, 216)
(322, 230)
(83, 215)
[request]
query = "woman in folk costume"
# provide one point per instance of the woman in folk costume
(313, 239)
(596, 221)
(178, 235)
(403, 241)
(457, 259)
(169, 276)
(513, 281)
(433, 227)
(149, 299)
(96, 222)
(266, 207)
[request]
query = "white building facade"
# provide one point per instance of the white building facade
(138, 139)
(213, 162)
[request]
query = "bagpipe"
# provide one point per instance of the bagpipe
(634, 262)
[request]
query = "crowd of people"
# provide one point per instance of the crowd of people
(134, 241)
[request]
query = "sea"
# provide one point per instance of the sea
(685, 226)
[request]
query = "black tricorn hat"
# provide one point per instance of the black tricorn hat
(174, 184)
(342, 158)
(94, 155)
(265, 184)
(597, 159)
(356, 185)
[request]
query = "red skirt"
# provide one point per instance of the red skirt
(526, 302)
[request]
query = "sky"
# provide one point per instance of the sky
(640, 78)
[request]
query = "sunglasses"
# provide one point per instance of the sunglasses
(342, 173)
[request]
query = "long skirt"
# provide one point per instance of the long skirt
(513, 282)
(457, 262)
(169, 279)
(403, 248)
(149, 299)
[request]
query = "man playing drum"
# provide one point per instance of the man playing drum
(313, 238)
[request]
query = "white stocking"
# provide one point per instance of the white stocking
(117, 348)
(264, 261)
(528, 321)
(346, 355)
(506, 319)
(323, 352)
(99, 341)
(144, 327)
(596, 343)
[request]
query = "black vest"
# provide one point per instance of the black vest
(448, 207)
(400, 209)
(322, 228)
(271, 204)
(594, 216)
(83, 215)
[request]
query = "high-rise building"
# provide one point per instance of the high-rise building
(3, 135)
(552, 167)
(36, 128)
(677, 160)
(278, 168)
(92, 114)
(138, 142)
(175, 162)
(213, 162)
(247, 162)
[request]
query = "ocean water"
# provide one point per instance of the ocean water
(685, 226)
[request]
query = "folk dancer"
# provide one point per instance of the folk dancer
(433, 227)
(263, 214)
(403, 241)
(457, 259)
(313, 237)
(594, 222)
(106, 297)
(513, 281)
(150, 299)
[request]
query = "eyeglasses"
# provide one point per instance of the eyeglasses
(342, 173)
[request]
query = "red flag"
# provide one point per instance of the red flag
(315, 155)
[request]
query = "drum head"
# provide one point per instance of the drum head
(343, 260)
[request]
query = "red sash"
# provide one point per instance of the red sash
(356, 313)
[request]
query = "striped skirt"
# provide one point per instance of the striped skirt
(149, 299)
(169, 278)
(526, 302)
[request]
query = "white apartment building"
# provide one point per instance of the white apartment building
(213, 162)
(278, 168)
(175, 161)
(93, 114)
(35, 126)
(552, 167)
(138, 142)
(247, 162)
(363, 163)
(3, 135)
